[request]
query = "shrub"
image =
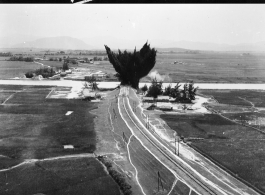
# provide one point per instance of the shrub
(29, 75)
(117, 176)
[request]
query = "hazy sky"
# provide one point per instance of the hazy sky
(229, 24)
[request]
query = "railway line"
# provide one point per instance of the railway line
(204, 188)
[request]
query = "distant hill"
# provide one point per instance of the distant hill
(174, 50)
(69, 43)
(56, 43)
(12, 39)
(259, 47)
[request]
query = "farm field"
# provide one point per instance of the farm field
(237, 97)
(246, 106)
(60, 176)
(204, 67)
(33, 127)
(212, 67)
(34, 133)
(11, 69)
(238, 148)
(254, 119)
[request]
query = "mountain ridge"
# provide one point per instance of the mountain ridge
(96, 43)
(62, 42)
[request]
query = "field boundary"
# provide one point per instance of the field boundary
(224, 168)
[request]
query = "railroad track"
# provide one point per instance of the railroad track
(169, 157)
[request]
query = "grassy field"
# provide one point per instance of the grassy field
(213, 67)
(56, 64)
(201, 67)
(237, 97)
(35, 127)
(59, 177)
(11, 69)
(239, 148)
(254, 119)
(208, 67)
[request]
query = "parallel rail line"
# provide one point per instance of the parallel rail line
(181, 167)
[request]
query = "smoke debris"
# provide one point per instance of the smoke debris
(155, 75)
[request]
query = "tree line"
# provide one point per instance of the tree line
(45, 72)
(180, 95)
(21, 58)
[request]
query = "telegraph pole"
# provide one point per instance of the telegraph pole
(178, 146)
(159, 181)
(124, 137)
(175, 145)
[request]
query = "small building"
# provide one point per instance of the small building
(38, 59)
(55, 77)
(165, 108)
(68, 71)
(162, 99)
(97, 75)
(148, 99)
(88, 93)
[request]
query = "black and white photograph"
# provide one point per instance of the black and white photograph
(132, 99)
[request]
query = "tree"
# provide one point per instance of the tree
(175, 92)
(93, 84)
(144, 88)
(65, 65)
(155, 89)
(192, 91)
(168, 90)
(131, 67)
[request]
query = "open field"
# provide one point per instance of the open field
(33, 127)
(254, 119)
(3, 58)
(61, 176)
(56, 64)
(204, 67)
(212, 67)
(207, 67)
(237, 97)
(238, 148)
(11, 69)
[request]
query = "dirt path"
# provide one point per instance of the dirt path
(251, 103)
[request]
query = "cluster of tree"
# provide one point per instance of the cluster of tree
(132, 66)
(5, 54)
(117, 176)
(68, 61)
(154, 90)
(55, 59)
(92, 83)
(100, 58)
(44, 72)
(21, 58)
(180, 95)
